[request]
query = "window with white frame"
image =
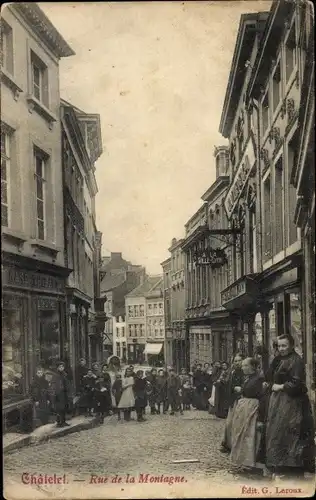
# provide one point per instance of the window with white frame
(130, 311)
(40, 160)
(276, 89)
(142, 330)
(141, 310)
(290, 53)
(39, 79)
(278, 206)
(5, 177)
(6, 51)
(253, 239)
(291, 200)
(267, 217)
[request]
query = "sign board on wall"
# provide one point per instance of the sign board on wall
(241, 177)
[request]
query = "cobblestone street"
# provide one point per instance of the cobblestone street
(120, 448)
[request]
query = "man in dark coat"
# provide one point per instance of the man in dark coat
(140, 395)
(40, 396)
(61, 394)
(174, 391)
(208, 384)
(199, 384)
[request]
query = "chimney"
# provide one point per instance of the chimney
(116, 255)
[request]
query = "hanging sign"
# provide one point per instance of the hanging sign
(213, 257)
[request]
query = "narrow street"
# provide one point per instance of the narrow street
(120, 448)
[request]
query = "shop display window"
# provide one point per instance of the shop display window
(13, 383)
(295, 320)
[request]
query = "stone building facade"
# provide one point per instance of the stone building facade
(33, 249)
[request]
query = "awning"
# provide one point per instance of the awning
(152, 348)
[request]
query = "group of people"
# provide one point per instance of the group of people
(269, 418)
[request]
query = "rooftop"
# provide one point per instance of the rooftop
(148, 286)
(43, 27)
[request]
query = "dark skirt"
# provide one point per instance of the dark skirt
(289, 439)
(221, 401)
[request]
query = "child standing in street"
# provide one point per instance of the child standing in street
(40, 396)
(127, 400)
(102, 400)
(117, 393)
(89, 385)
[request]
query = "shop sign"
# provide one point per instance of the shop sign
(27, 279)
(234, 291)
(213, 257)
(240, 178)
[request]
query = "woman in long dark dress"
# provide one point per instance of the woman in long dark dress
(222, 393)
(236, 378)
(248, 417)
(289, 437)
(216, 372)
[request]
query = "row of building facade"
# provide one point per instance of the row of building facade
(247, 257)
(51, 248)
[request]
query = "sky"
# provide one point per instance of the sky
(156, 72)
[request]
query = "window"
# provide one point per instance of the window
(39, 79)
(5, 178)
(155, 309)
(267, 217)
(130, 311)
(278, 207)
(141, 310)
(136, 311)
(265, 112)
(12, 347)
(142, 331)
(253, 240)
(6, 47)
(40, 167)
(291, 195)
(276, 87)
(290, 53)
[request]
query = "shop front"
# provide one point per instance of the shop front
(263, 306)
(154, 353)
(33, 331)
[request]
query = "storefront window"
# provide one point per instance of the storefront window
(296, 321)
(49, 337)
(272, 333)
(258, 334)
(12, 348)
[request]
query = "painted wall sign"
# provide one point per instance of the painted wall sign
(240, 178)
(28, 279)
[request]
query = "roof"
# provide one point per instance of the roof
(247, 31)
(221, 182)
(110, 282)
(148, 285)
(43, 27)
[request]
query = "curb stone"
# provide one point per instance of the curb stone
(33, 440)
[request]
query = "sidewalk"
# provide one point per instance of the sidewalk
(13, 441)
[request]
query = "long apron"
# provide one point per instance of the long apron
(245, 437)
